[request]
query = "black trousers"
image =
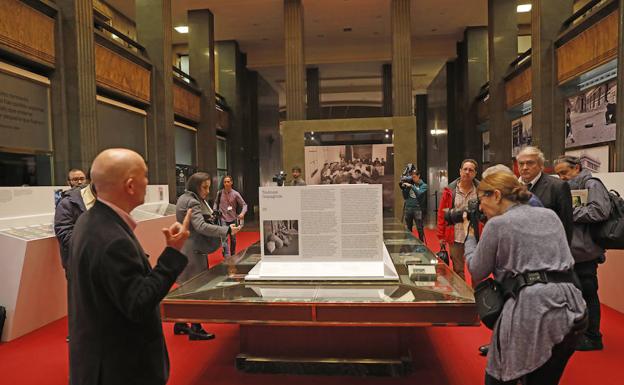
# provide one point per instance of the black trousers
(588, 275)
(550, 373)
(414, 215)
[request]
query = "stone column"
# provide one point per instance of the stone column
(421, 134)
(476, 72)
(314, 93)
(619, 136)
(401, 58)
(202, 69)
(503, 49)
(295, 60)
(78, 68)
(548, 117)
(386, 90)
(154, 29)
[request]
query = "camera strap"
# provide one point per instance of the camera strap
(513, 285)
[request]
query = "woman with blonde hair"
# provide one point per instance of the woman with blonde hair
(526, 250)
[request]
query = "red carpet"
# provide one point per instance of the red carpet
(442, 355)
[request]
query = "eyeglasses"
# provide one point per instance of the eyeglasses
(78, 179)
(486, 194)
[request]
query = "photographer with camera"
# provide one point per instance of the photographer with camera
(205, 238)
(543, 311)
(414, 190)
(456, 196)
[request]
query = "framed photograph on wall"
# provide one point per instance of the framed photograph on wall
(521, 133)
(485, 139)
(595, 159)
(590, 115)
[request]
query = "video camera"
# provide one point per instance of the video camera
(279, 178)
(474, 214)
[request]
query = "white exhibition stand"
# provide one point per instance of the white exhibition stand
(322, 232)
(33, 288)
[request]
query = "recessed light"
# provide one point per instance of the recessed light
(182, 28)
(347, 29)
(523, 8)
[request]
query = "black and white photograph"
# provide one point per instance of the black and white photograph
(595, 159)
(352, 164)
(281, 237)
(590, 116)
(521, 133)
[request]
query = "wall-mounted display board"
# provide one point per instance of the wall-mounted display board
(590, 115)
(595, 159)
(24, 110)
(521, 133)
(121, 125)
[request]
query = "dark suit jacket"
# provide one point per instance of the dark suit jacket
(114, 295)
(555, 195)
(69, 208)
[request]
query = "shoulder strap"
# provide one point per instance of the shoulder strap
(218, 201)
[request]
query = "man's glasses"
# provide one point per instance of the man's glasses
(78, 179)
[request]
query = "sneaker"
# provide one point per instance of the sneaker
(586, 344)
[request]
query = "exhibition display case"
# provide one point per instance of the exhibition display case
(311, 321)
(33, 287)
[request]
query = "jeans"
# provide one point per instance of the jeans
(588, 275)
(231, 248)
(414, 215)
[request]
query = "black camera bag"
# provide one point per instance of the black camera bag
(489, 300)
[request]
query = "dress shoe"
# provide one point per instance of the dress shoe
(181, 328)
(586, 344)
(483, 350)
(197, 333)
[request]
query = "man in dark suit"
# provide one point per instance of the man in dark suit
(551, 191)
(114, 317)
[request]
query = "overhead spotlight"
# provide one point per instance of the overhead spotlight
(522, 8)
(181, 28)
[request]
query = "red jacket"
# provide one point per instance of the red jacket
(445, 231)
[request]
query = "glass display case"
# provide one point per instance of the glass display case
(333, 310)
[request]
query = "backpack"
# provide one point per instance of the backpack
(609, 234)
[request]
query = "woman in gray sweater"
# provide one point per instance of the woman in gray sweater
(205, 238)
(536, 332)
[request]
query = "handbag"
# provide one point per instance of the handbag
(443, 254)
(489, 300)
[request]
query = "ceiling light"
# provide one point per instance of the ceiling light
(181, 28)
(524, 8)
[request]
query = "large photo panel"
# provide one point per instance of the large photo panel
(352, 164)
(590, 115)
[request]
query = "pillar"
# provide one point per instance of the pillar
(78, 71)
(294, 60)
(502, 49)
(154, 29)
(548, 117)
(401, 58)
(202, 69)
(313, 91)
